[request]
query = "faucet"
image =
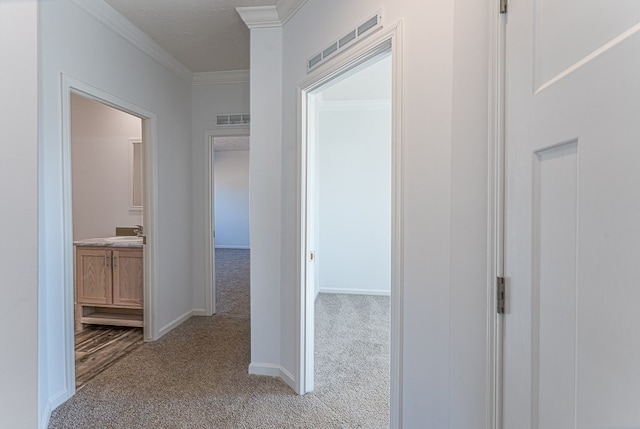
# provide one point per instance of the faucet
(138, 230)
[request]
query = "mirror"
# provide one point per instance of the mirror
(135, 175)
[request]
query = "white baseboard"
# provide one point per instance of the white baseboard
(356, 291)
(53, 403)
(46, 416)
(177, 322)
(224, 246)
(273, 370)
(288, 378)
(200, 312)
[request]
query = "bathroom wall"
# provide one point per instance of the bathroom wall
(231, 179)
(101, 163)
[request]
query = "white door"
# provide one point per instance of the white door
(572, 237)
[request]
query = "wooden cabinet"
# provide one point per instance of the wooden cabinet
(109, 286)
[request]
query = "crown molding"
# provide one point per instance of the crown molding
(260, 16)
(288, 8)
(270, 16)
(122, 26)
(218, 77)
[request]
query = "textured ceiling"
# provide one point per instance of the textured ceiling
(230, 143)
(204, 35)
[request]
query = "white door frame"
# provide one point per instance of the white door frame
(369, 48)
(209, 245)
(149, 137)
(496, 208)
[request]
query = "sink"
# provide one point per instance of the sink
(126, 238)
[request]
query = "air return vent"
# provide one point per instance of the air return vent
(352, 37)
(233, 120)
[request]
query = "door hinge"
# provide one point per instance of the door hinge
(500, 295)
(503, 6)
(312, 256)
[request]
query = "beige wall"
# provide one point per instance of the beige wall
(100, 153)
(101, 157)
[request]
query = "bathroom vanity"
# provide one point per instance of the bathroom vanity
(109, 281)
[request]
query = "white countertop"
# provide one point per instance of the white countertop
(121, 241)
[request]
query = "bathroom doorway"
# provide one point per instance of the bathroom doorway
(107, 197)
(117, 277)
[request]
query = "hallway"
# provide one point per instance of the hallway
(196, 375)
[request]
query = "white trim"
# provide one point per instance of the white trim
(288, 8)
(270, 16)
(220, 77)
(355, 291)
(259, 16)
(149, 123)
(175, 323)
(225, 246)
(323, 74)
(200, 312)
(397, 221)
(52, 404)
(272, 370)
(209, 215)
(495, 215)
(104, 13)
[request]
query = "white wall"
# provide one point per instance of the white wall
(267, 219)
(445, 127)
(101, 168)
(74, 43)
(231, 179)
(353, 152)
(18, 217)
(207, 102)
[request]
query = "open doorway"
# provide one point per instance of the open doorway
(126, 257)
(107, 196)
(348, 229)
(231, 198)
(227, 146)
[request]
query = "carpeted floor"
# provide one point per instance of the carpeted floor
(196, 375)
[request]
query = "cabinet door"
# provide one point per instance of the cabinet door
(128, 284)
(93, 276)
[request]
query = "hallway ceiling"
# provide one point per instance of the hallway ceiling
(204, 35)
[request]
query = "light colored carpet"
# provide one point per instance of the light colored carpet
(232, 282)
(196, 375)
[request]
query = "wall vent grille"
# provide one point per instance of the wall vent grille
(365, 29)
(233, 120)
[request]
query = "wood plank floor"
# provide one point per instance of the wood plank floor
(98, 347)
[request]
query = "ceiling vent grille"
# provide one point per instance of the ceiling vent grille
(365, 29)
(233, 120)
